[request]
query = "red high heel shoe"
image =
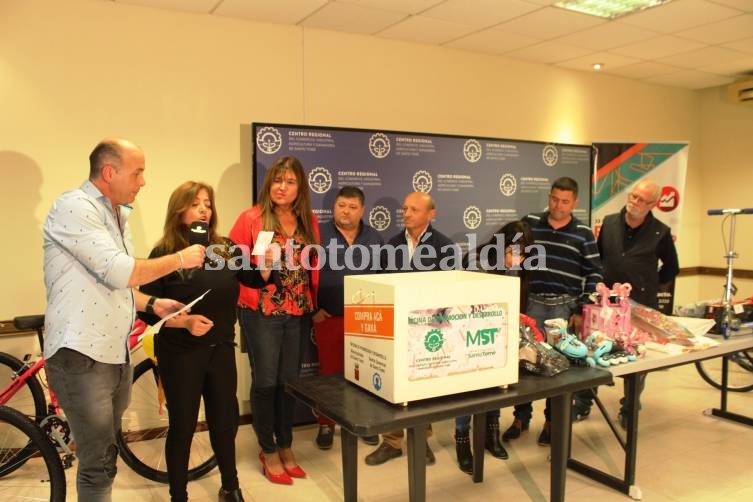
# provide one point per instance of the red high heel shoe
(281, 479)
(295, 472)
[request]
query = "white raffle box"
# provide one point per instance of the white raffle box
(418, 335)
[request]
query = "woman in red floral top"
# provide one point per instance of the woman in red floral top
(273, 319)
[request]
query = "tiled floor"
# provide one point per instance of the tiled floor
(683, 455)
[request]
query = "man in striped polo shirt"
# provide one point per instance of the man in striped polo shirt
(573, 268)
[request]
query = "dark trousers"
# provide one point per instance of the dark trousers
(274, 344)
(187, 375)
(330, 347)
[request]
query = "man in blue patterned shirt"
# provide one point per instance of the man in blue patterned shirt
(90, 273)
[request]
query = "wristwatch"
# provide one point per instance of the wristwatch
(150, 305)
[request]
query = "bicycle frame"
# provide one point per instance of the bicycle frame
(19, 380)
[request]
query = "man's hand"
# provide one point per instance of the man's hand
(321, 315)
(193, 256)
(166, 306)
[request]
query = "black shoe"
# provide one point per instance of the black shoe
(580, 413)
(513, 432)
(545, 438)
(230, 495)
(372, 440)
(384, 453)
(430, 459)
(492, 441)
(463, 451)
(324, 438)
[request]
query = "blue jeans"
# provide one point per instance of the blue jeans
(463, 424)
(540, 313)
(94, 396)
(274, 350)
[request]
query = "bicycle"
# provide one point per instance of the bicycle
(23, 443)
(722, 375)
(141, 439)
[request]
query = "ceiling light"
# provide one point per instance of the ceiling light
(609, 9)
(598, 66)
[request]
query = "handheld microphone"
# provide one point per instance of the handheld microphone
(198, 233)
(717, 212)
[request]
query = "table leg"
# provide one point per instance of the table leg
(561, 429)
(350, 465)
(478, 430)
(417, 463)
(632, 395)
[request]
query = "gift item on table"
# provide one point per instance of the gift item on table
(567, 343)
(536, 356)
(612, 318)
(661, 328)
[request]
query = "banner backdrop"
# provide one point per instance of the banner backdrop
(618, 166)
(478, 184)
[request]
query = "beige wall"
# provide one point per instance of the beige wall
(185, 87)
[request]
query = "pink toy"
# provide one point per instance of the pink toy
(612, 319)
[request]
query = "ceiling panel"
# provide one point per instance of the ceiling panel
(690, 79)
(426, 30)
(279, 11)
(549, 52)
(746, 5)
(641, 70)
(352, 18)
(658, 47)
(737, 67)
(606, 59)
(479, 13)
(679, 15)
(405, 6)
(607, 36)
(703, 57)
(493, 41)
(550, 22)
(200, 6)
(745, 45)
(729, 30)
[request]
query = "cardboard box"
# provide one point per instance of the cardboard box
(419, 335)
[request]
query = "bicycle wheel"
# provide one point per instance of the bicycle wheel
(23, 444)
(739, 375)
(30, 398)
(142, 436)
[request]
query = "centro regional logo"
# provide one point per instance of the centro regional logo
(433, 340)
(550, 155)
(508, 184)
(320, 180)
(422, 182)
(269, 140)
(472, 150)
(379, 145)
(379, 218)
(472, 217)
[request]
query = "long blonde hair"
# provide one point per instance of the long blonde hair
(301, 205)
(175, 236)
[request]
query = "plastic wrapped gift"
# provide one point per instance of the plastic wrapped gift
(608, 317)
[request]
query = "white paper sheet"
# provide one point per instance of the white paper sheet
(262, 241)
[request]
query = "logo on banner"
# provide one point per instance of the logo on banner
(269, 140)
(550, 155)
(472, 150)
(433, 340)
(508, 184)
(669, 199)
(379, 145)
(379, 218)
(472, 217)
(320, 180)
(422, 182)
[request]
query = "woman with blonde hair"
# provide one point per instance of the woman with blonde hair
(196, 351)
(274, 319)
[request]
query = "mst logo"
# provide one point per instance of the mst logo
(320, 180)
(433, 340)
(379, 218)
(269, 140)
(422, 181)
(379, 145)
(483, 337)
(472, 150)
